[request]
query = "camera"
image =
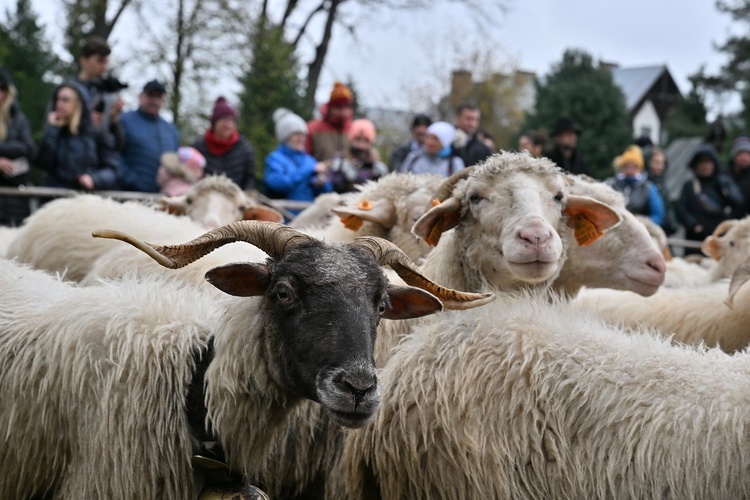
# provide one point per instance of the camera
(109, 84)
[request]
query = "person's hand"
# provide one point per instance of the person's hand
(86, 182)
(116, 109)
(6, 167)
(96, 118)
(53, 119)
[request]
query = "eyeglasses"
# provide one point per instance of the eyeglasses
(64, 98)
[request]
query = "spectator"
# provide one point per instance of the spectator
(739, 167)
(532, 142)
(147, 136)
(16, 151)
(178, 171)
(362, 162)
(486, 138)
(436, 154)
(565, 148)
(656, 167)
(290, 172)
(643, 196)
(105, 104)
(226, 150)
(467, 121)
(708, 198)
(418, 131)
(70, 150)
(327, 138)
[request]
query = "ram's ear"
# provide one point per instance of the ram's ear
(410, 302)
(247, 279)
(589, 218)
(437, 220)
(381, 212)
(739, 278)
(176, 205)
(261, 212)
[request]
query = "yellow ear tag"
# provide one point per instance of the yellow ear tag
(585, 231)
(352, 222)
(364, 205)
(435, 202)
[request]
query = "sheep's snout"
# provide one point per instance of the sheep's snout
(648, 275)
(351, 396)
(533, 250)
(534, 237)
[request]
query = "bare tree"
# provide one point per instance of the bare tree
(86, 18)
(298, 19)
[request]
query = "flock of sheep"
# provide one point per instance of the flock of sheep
(531, 339)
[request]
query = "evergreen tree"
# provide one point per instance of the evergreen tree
(735, 74)
(271, 82)
(688, 117)
(26, 53)
(585, 92)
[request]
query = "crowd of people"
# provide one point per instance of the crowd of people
(90, 143)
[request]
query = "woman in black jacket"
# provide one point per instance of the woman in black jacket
(708, 197)
(16, 151)
(71, 150)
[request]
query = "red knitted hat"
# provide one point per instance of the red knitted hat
(340, 95)
(221, 109)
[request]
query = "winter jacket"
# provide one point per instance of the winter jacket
(146, 138)
(707, 201)
(66, 157)
(326, 140)
(238, 163)
(290, 174)
(419, 162)
(18, 144)
(576, 164)
(400, 153)
(473, 152)
(644, 198)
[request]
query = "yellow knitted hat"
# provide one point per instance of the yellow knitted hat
(632, 154)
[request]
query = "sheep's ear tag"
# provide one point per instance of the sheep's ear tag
(352, 222)
(585, 231)
(364, 205)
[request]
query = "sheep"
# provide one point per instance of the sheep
(507, 213)
(57, 237)
(7, 235)
(318, 213)
(527, 399)
(728, 246)
(625, 259)
(216, 201)
(387, 208)
(98, 382)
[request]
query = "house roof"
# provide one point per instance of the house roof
(635, 82)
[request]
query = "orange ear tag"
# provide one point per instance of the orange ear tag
(585, 231)
(435, 202)
(352, 222)
(364, 205)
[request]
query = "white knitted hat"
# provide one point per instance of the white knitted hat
(443, 131)
(287, 123)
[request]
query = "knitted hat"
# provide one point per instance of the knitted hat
(287, 123)
(340, 95)
(221, 110)
(739, 145)
(632, 154)
(362, 128)
(444, 131)
(192, 158)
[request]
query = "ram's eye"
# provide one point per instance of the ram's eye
(189, 201)
(382, 308)
(731, 243)
(475, 198)
(242, 209)
(284, 296)
(559, 196)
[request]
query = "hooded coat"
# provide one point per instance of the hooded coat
(18, 143)
(707, 201)
(66, 157)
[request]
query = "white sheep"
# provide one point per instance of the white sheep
(527, 399)
(101, 385)
(729, 247)
(216, 201)
(7, 235)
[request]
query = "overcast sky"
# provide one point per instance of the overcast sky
(396, 51)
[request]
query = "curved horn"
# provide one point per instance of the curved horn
(388, 254)
(445, 190)
(274, 239)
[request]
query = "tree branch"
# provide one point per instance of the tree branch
(319, 8)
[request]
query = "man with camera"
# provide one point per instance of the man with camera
(106, 105)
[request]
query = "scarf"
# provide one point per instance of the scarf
(220, 147)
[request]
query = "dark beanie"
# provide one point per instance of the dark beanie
(222, 109)
(5, 79)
